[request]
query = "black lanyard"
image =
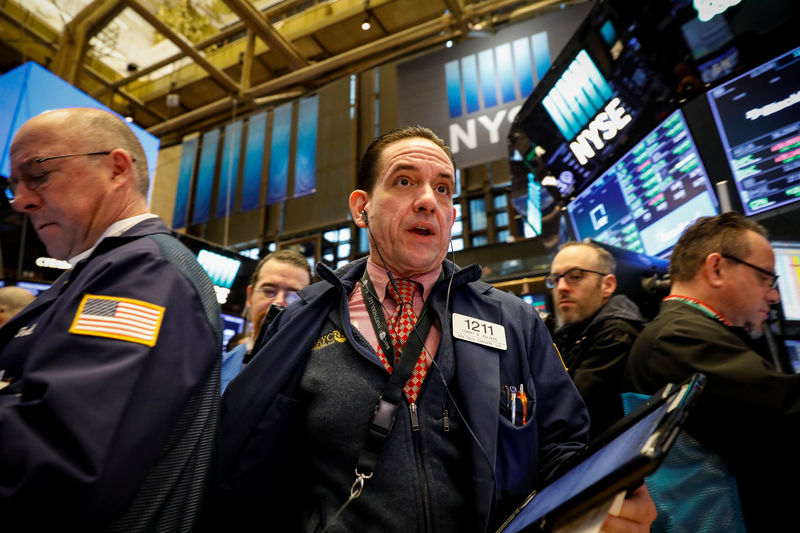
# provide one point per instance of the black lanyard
(375, 312)
(384, 414)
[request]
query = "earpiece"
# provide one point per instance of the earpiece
(364, 214)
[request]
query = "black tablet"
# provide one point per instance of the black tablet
(616, 460)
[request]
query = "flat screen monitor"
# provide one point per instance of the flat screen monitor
(231, 325)
(33, 287)
(533, 214)
(758, 118)
(644, 201)
(787, 266)
(538, 301)
(793, 351)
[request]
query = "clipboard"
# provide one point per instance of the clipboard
(617, 460)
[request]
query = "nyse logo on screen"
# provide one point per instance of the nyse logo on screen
(490, 86)
(584, 108)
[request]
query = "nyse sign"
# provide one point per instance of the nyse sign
(491, 127)
(603, 127)
(470, 93)
(584, 108)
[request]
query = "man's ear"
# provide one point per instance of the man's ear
(608, 286)
(121, 166)
(358, 203)
(712, 269)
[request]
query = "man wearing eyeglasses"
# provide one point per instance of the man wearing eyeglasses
(597, 327)
(108, 421)
(277, 279)
(723, 283)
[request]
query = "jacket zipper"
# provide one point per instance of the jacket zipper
(412, 409)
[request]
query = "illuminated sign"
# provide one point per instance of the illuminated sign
(473, 81)
(222, 294)
(708, 9)
(470, 93)
(490, 78)
(222, 271)
(534, 214)
(51, 262)
(577, 96)
(584, 108)
(603, 127)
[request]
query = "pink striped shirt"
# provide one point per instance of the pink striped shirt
(359, 316)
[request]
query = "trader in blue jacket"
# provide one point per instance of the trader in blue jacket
(347, 419)
(111, 376)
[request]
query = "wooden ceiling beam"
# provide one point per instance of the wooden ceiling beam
(181, 42)
(256, 22)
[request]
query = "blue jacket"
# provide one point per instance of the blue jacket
(103, 432)
(255, 463)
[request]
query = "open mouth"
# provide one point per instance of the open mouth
(421, 231)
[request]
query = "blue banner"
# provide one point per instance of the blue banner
(279, 154)
(205, 177)
(305, 161)
(253, 161)
(229, 170)
(188, 153)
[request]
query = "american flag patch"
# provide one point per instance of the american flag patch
(118, 318)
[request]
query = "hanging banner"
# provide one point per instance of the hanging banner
(306, 155)
(205, 177)
(188, 155)
(229, 170)
(253, 161)
(279, 154)
(470, 93)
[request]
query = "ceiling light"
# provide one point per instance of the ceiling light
(449, 43)
(366, 25)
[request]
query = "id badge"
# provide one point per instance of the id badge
(479, 331)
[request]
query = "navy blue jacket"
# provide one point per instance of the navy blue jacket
(105, 433)
(256, 465)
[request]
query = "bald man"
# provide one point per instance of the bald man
(109, 418)
(12, 301)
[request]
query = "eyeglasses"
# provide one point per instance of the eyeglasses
(772, 275)
(573, 276)
(270, 293)
(36, 175)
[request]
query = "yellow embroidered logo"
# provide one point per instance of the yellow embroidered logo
(330, 338)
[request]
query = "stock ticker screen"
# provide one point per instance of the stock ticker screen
(757, 115)
(644, 201)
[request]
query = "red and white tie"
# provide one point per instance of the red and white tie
(401, 323)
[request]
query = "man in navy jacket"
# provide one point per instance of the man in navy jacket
(302, 447)
(112, 374)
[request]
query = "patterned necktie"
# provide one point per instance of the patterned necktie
(401, 323)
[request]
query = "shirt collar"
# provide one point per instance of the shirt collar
(379, 280)
(114, 230)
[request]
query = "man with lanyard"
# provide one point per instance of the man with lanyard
(723, 283)
(108, 420)
(339, 434)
